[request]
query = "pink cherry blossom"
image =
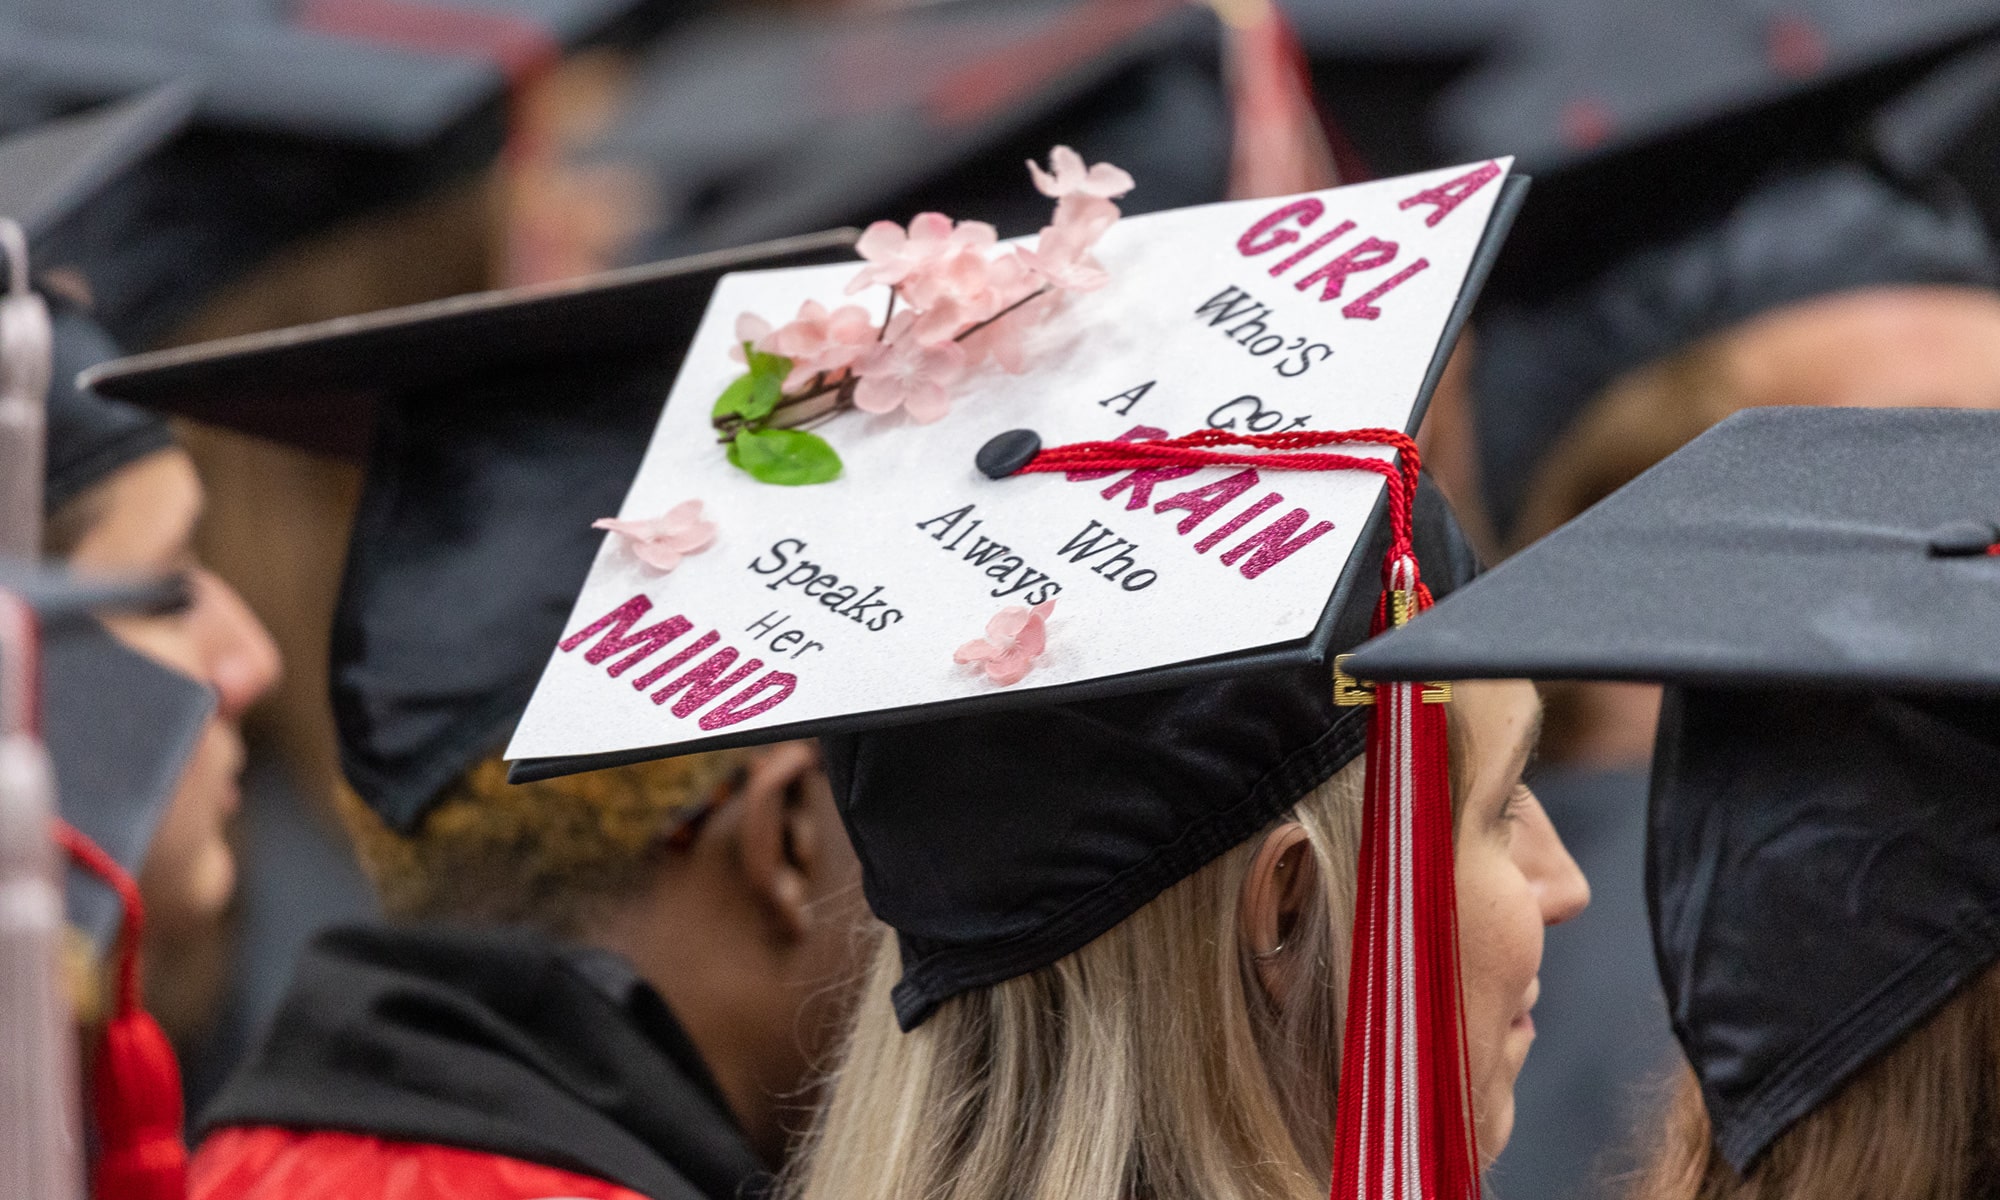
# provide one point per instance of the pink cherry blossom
(1015, 284)
(1015, 637)
(903, 372)
(1073, 178)
(661, 542)
(893, 253)
(821, 341)
(750, 328)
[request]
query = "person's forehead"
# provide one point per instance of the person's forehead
(144, 513)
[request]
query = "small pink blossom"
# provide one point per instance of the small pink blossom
(903, 372)
(893, 253)
(1062, 253)
(1072, 178)
(1015, 637)
(750, 328)
(661, 542)
(821, 341)
(1014, 283)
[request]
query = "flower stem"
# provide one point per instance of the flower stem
(976, 326)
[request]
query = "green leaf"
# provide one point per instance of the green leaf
(757, 392)
(790, 457)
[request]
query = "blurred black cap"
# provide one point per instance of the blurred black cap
(1697, 163)
(773, 123)
(119, 727)
(48, 174)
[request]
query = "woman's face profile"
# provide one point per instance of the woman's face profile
(1514, 879)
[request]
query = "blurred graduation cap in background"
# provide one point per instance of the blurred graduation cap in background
(118, 726)
(765, 124)
(52, 169)
(309, 113)
(49, 173)
(1700, 164)
(1820, 589)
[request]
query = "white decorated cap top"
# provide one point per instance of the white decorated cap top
(723, 609)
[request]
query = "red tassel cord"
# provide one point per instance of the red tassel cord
(136, 1081)
(1403, 1127)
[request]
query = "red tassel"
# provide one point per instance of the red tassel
(1403, 1127)
(1404, 1124)
(136, 1082)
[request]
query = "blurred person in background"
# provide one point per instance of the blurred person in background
(610, 985)
(120, 498)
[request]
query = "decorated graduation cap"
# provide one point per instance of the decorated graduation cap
(1696, 170)
(1051, 542)
(1824, 858)
(765, 124)
(495, 427)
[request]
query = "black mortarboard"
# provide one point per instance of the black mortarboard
(1821, 591)
(769, 124)
(501, 424)
(359, 71)
(1697, 167)
(50, 170)
(118, 726)
(310, 113)
(48, 174)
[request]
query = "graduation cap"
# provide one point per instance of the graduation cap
(118, 726)
(1820, 589)
(50, 170)
(769, 124)
(856, 598)
(47, 174)
(495, 427)
(1700, 166)
(1093, 678)
(383, 72)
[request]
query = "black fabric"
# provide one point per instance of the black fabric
(89, 436)
(1823, 872)
(764, 125)
(997, 844)
(498, 1041)
(468, 549)
(1784, 546)
(1814, 231)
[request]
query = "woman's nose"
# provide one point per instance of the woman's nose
(242, 660)
(1559, 883)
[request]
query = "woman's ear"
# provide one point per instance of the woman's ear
(779, 840)
(1276, 893)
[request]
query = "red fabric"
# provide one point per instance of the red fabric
(260, 1162)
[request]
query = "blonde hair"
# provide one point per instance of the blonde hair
(1150, 1063)
(1921, 1122)
(548, 855)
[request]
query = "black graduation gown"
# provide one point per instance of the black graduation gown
(499, 1041)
